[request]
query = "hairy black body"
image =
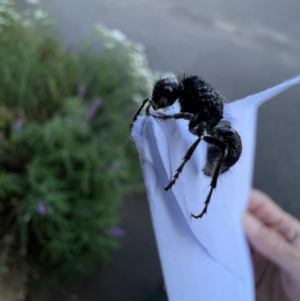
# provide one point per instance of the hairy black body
(203, 106)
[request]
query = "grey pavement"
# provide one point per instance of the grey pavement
(241, 47)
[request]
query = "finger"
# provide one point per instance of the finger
(270, 244)
(269, 213)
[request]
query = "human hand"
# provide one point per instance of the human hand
(274, 237)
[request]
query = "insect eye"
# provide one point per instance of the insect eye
(168, 90)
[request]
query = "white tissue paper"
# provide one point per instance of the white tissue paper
(203, 259)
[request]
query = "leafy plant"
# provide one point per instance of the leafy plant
(65, 152)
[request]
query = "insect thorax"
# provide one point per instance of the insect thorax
(198, 97)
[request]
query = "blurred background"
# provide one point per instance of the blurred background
(72, 73)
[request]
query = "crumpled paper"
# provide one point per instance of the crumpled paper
(202, 259)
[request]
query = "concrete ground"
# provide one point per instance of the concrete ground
(241, 47)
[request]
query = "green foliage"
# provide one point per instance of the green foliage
(64, 156)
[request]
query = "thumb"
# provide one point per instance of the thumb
(270, 244)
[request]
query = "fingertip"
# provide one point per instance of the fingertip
(256, 193)
(261, 238)
(258, 198)
(251, 225)
(270, 244)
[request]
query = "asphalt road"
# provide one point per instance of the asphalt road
(241, 47)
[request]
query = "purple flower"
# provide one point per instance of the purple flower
(17, 125)
(116, 232)
(93, 109)
(114, 166)
(41, 208)
(81, 90)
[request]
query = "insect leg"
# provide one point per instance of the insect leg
(186, 158)
(213, 183)
(138, 112)
(186, 116)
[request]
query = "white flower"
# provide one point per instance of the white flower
(5, 2)
(40, 14)
(3, 8)
(138, 63)
(118, 36)
(137, 98)
(207, 258)
(34, 2)
(3, 21)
